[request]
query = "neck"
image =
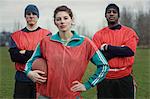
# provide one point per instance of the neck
(32, 28)
(110, 25)
(65, 35)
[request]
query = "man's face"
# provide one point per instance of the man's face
(112, 15)
(31, 18)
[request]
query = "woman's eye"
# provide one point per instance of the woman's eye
(65, 18)
(58, 19)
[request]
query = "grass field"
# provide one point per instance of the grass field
(141, 72)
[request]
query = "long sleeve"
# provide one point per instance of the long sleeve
(102, 68)
(16, 56)
(36, 54)
(126, 47)
(117, 51)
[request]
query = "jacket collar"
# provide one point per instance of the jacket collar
(75, 37)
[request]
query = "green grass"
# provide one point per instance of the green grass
(141, 72)
(91, 92)
(6, 74)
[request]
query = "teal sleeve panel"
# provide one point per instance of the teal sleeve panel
(36, 54)
(99, 59)
(102, 68)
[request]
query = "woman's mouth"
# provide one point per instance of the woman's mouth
(62, 26)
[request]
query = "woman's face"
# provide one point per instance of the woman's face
(63, 21)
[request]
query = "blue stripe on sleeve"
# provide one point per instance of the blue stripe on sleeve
(102, 68)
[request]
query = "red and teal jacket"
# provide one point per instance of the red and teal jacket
(24, 40)
(67, 63)
(122, 42)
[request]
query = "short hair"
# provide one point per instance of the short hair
(63, 8)
(114, 6)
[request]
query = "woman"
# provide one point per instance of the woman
(67, 55)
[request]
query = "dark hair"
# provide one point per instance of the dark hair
(114, 6)
(63, 8)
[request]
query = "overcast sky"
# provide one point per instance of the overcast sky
(88, 13)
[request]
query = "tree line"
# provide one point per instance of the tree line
(140, 22)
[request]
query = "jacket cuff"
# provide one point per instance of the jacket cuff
(87, 85)
(26, 72)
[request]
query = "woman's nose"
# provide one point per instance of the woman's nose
(62, 21)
